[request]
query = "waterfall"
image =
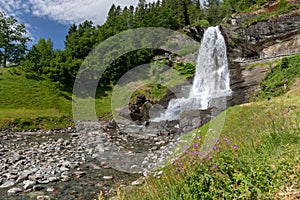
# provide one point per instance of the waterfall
(211, 80)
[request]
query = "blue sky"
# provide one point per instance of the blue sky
(52, 18)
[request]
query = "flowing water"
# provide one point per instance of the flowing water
(211, 79)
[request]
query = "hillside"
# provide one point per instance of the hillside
(30, 104)
(255, 157)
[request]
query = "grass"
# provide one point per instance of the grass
(30, 104)
(255, 157)
(283, 7)
(282, 76)
(35, 104)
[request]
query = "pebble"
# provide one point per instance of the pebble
(28, 184)
(79, 173)
(137, 182)
(43, 197)
(14, 190)
(7, 184)
(50, 189)
(53, 179)
(108, 177)
(38, 188)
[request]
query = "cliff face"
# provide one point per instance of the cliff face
(265, 38)
(280, 35)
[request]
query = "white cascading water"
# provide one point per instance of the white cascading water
(211, 79)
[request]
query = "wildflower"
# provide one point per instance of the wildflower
(215, 167)
(228, 143)
(234, 147)
(209, 157)
(196, 153)
(198, 137)
(214, 147)
(186, 147)
(226, 139)
(196, 144)
(186, 151)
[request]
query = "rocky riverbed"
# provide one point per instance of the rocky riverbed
(78, 163)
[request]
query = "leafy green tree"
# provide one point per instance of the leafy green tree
(40, 56)
(13, 40)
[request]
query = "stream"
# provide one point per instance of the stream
(77, 164)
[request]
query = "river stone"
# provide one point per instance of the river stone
(37, 187)
(53, 179)
(108, 177)
(137, 182)
(51, 189)
(43, 197)
(14, 190)
(7, 184)
(23, 176)
(28, 184)
(79, 173)
(65, 179)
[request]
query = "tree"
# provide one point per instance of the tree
(39, 56)
(13, 40)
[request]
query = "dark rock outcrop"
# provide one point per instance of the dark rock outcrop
(195, 32)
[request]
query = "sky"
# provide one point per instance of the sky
(52, 18)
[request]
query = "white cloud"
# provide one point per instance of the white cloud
(66, 11)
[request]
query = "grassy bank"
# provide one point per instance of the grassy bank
(35, 104)
(30, 104)
(255, 157)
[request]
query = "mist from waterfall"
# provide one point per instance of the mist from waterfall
(211, 80)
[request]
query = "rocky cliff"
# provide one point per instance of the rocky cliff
(279, 35)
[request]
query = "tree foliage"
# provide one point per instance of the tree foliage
(13, 40)
(61, 66)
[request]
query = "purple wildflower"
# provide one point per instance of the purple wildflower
(214, 147)
(196, 144)
(186, 147)
(199, 137)
(196, 153)
(226, 139)
(234, 146)
(228, 143)
(215, 167)
(186, 151)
